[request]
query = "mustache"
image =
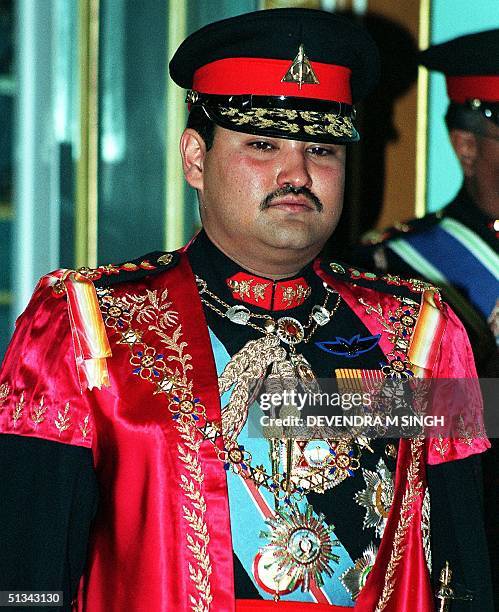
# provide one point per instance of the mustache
(287, 189)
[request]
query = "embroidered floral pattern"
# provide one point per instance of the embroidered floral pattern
(441, 446)
(4, 393)
(114, 314)
(169, 371)
(413, 492)
(236, 458)
(425, 528)
(166, 259)
(186, 408)
(303, 293)
(399, 325)
(91, 274)
(312, 123)
(288, 294)
(467, 435)
(109, 269)
(196, 518)
(397, 368)
(404, 321)
(154, 310)
(294, 296)
(58, 289)
(63, 420)
(414, 284)
(85, 427)
(241, 288)
(392, 279)
(143, 265)
(37, 413)
(17, 411)
(147, 363)
(259, 290)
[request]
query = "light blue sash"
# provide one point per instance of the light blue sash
(247, 520)
(451, 254)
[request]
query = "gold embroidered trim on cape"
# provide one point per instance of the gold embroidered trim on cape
(413, 492)
(154, 311)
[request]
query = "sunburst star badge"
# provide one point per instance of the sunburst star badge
(301, 547)
(377, 497)
(355, 577)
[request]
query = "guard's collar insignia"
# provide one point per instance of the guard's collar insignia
(300, 71)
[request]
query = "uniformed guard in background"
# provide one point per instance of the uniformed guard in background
(457, 247)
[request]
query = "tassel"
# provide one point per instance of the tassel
(90, 341)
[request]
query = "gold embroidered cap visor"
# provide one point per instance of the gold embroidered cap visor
(330, 123)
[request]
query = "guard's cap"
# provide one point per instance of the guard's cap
(287, 73)
(471, 67)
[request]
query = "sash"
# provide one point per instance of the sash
(250, 506)
(451, 254)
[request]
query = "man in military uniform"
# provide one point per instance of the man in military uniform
(132, 478)
(457, 247)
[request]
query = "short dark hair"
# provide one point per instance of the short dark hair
(198, 120)
(461, 117)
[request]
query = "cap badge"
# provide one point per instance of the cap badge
(300, 71)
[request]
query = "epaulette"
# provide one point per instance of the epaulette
(401, 228)
(147, 265)
(386, 283)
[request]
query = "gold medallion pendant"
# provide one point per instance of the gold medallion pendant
(299, 551)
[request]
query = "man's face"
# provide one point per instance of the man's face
(487, 169)
(268, 198)
(479, 158)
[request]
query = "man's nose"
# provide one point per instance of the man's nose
(294, 170)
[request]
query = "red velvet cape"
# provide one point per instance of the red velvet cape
(161, 540)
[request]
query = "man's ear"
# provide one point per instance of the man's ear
(193, 151)
(465, 145)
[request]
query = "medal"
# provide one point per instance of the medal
(299, 551)
(321, 315)
(290, 330)
(265, 570)
(305, 373)
(238, 314)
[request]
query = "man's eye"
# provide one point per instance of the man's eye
(262, 145)
(321, 151)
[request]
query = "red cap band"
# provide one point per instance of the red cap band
(462, 88)
(238, 76)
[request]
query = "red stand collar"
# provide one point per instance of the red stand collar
(268, 294)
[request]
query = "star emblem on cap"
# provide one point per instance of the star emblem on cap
(300, 71)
